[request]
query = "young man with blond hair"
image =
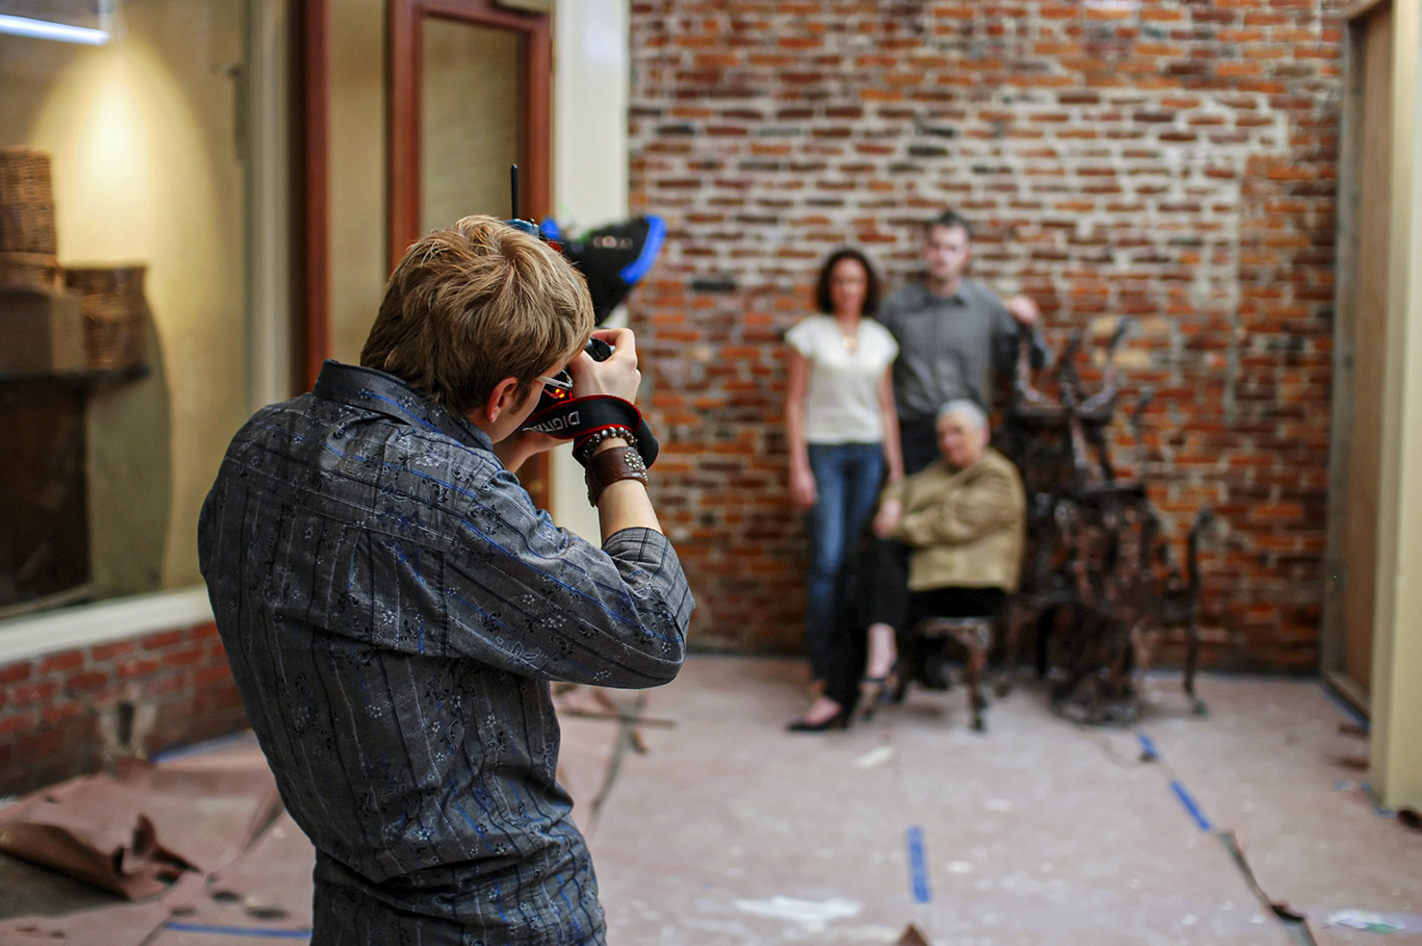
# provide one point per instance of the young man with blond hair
(394, 606)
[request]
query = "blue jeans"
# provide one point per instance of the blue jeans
(847, 481)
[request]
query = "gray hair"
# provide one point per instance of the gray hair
(966, 409)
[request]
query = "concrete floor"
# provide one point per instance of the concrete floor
(711, 825)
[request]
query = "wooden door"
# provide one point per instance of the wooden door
(1364, 317)
(470, 93)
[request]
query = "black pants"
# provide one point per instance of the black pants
(890, 602)
(874, 590)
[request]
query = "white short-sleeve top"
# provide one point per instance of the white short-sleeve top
(842, 399)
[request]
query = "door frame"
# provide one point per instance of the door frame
(403, 60)
(1333, 639)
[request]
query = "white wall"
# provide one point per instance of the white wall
(590, 96)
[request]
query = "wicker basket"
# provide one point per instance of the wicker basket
(115, 314)
(30, 271)
(26, 203)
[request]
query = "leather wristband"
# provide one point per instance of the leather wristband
(611, 465)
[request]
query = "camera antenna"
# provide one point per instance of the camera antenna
(513, 191)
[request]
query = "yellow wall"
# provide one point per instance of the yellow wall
(590, 175)
(357, 172)
(1397, 649)
(141, 135)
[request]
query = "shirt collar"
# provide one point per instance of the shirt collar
(381, 393)
(957, 298)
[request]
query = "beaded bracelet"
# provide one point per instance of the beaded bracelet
(584, 450)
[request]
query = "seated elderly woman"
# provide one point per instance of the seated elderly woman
(948, 543)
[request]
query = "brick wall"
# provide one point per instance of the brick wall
(1168, 160)
(61, 713)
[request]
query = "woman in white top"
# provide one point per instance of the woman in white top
(843, 435)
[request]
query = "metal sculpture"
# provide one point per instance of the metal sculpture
(1098, 565)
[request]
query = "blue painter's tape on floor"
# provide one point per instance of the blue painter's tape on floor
(918, 866)
(238, 931)
(1148, 750)
(1190, 805)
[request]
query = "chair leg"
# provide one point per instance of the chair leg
(976, 638)
(974, 674)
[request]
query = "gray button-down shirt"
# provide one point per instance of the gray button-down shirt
(394, 606)
(949, 346)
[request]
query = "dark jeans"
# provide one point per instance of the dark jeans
(847, 481)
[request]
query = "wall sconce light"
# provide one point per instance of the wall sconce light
(66, 21)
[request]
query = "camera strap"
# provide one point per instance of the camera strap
(577, 419)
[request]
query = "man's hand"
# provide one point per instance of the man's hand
(1023, 310)
(618, 375)
(889, 515)
(518, 446)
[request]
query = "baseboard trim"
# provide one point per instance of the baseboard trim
(24, 638)
(1349, 691)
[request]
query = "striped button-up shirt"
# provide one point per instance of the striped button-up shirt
(394, 607)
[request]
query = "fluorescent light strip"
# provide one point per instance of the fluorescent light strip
(43, 29)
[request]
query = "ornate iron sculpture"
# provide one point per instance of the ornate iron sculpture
(1098, 572)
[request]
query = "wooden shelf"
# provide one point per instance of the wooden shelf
(87, 378)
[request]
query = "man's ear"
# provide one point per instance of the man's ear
(501, 398)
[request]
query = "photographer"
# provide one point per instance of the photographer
(394, 607)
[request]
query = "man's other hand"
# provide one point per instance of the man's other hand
(1023, 310)
(518, 446)
(618, 375)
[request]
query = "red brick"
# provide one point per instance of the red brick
(15, 672)
(86, 681)
(130, 669)
(68, 660)
(115, 649)
(17, 722)
(162, 639)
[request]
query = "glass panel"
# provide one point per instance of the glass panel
(470, 123)
(146, 206)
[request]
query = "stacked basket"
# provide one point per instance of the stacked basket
(115, 313)
(27, 238)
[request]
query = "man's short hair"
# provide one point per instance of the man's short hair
(949, 219)
(871, 289)
(473, 304)
(966, 409)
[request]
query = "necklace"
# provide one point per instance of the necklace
(850, 340)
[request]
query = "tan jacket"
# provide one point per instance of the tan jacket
(966, 528)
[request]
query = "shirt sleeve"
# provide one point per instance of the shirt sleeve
(801, 337)
(1006, 336)
(498, 582)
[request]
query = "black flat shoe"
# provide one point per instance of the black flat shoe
(839, 720)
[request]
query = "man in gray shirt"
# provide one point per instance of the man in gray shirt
(953, 333)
